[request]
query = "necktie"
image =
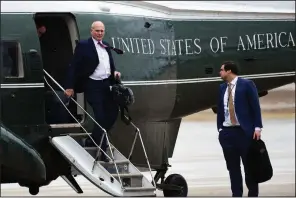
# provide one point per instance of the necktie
(230, 105)
(102, 45)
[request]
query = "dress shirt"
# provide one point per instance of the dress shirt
(227, 121)
(103, 70)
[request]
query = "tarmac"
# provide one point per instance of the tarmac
(198, 156)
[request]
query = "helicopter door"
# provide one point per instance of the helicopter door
(57, 38)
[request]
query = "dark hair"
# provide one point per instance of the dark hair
(230, 65)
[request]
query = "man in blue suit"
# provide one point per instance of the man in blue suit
(92, 71)
(238, 122)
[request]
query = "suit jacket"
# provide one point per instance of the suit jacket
(84, 62)
(246, 104)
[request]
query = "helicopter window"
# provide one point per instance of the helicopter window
(12, 59)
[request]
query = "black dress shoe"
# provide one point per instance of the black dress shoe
(89, 143)
(104, 158)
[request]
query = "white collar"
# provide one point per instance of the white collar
(234, 81)
(95, 41)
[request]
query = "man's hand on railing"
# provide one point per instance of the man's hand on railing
(69, 92)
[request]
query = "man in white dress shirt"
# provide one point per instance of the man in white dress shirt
(92, 71)
(238, 122)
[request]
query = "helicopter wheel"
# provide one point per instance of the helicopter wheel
(33, 190)
(178, 181)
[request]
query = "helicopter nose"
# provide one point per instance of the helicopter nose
(19, 157)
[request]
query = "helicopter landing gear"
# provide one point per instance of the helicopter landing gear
(33, 190)
(173, 186)
(178, 185)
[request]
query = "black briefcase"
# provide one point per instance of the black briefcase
(258, 162)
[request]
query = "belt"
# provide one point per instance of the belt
(232, 127)
(103, 80)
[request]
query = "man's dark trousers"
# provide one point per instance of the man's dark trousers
(98, 95)
(235, 144)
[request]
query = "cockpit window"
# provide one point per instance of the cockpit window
(12, 60)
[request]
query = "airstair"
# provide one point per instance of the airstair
(118, 177)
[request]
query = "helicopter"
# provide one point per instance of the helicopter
(171, 60)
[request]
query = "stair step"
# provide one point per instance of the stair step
(130, 180)
(122, 166)
(77, 134)
(90, 148)
(116, 161)
(127, 175)
(93, 150)
(140, 188)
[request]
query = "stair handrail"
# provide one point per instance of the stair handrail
(105, 133)
(144, 150)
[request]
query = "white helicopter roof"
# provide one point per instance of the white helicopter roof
(217, 9)
(175, 10)
(229, 6)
